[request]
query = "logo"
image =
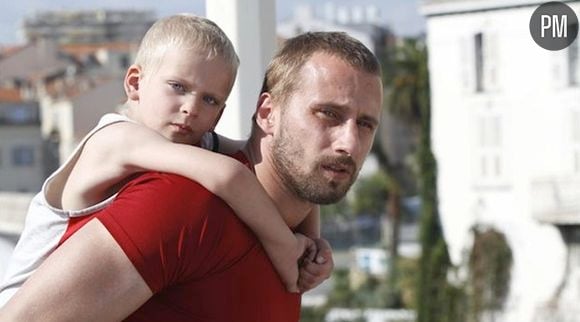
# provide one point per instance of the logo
(554, 25)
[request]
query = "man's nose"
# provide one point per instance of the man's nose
(347, 140)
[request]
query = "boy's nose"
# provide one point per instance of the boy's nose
(190, 107)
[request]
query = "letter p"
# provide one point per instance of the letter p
(546, 24)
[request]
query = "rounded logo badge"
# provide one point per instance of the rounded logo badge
(554, 25)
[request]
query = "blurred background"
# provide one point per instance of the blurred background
(468, 207)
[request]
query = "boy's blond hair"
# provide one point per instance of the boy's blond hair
(186, 32)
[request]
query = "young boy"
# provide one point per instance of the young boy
(176, 92)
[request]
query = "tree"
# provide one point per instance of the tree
(433, 291)
(369, 193)
(405, 80)
(341, 295)
(407, 100)
(490, 265)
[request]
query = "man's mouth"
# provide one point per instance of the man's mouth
(338, 170)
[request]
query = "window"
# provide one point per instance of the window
(21, 114)
(23, 156)
(366, 263)
(575, 140)
(478, 62)
(489, 147)
(573, 66)
(125, 61)
(486, 59)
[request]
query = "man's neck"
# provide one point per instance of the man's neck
(292, 209)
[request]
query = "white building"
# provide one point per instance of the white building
(506, 135)
(371, 261)
(362, 23)
(370, 315)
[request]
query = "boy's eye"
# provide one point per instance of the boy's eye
(210, 100)
(178, 87)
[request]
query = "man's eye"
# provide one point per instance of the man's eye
(329, 114)
(367, 125)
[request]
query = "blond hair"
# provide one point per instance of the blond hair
(282, 75)
(187, 32)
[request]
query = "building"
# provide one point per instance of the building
(88, 26)
(72, 85)
(22, 167)
(51, 94)
(362, 23)
(68, 118)
(370, 315)
(506, 135)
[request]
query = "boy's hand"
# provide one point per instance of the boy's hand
(305, 251)
(315, 269)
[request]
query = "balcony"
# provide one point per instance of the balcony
(556, 200)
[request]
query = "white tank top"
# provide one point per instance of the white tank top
(45, 225)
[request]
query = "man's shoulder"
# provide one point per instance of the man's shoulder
(170, 183)
(177, 183)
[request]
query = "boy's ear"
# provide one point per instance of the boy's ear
(131, 82)
(265, 116)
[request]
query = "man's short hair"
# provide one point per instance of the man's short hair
(282, 75)
(187, 32)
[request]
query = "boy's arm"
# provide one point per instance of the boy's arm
(231, 181)
(313, 272)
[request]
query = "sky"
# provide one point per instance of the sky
(401, 15)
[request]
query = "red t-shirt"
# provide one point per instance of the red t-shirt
(201, 262)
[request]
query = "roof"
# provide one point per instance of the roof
(6, 51)
(445, 7)
(82, 85)
(79, 50)
(10, 95)
(32, 62)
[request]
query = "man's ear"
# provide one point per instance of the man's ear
(131, 82)
(265, 116)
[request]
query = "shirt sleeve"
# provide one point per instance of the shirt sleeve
(163, 224)
(210, 141)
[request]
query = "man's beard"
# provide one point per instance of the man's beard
(287, 158)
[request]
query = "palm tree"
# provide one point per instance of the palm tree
(405, 86)
(408, 99)
(434, 301)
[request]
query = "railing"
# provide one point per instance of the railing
(556, 200)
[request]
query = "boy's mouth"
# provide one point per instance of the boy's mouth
(182, 128)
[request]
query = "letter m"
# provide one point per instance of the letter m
(560, 26)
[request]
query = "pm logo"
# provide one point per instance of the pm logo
(554, 25)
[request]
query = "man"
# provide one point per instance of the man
(169, 250)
